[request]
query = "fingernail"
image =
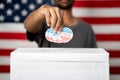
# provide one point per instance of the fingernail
(48, 24)
(55, 30)
(59, 32)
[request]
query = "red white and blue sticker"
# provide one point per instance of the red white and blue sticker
(64, 36)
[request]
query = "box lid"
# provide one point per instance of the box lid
(60, 54)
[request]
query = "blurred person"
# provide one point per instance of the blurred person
(57, 17)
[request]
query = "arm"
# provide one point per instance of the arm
(52, 15)
(33, 21)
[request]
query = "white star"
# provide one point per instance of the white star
(16, 18)
(31, 6)
(2, 18)
(24, 12)
(2, 6)
(9, 12)
(9, 1)
(24, 1)
(17, 6)
(52, 1)
(39, 1)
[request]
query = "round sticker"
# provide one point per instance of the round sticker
(65, 36)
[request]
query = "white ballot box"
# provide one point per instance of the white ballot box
(59, 64)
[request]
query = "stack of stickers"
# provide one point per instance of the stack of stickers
(64, 36)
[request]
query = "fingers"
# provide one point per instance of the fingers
(59, 23)
(54, 18)
(60, 29)
(44, 10)
(47, 16)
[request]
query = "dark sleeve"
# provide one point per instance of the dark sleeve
(37, 36)
(31, 36)
(91, 39)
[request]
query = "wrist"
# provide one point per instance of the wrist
(38, 14)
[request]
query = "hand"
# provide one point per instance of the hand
(53, 16)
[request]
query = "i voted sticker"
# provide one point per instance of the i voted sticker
(65, 36)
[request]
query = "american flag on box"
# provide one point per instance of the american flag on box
(103, 15)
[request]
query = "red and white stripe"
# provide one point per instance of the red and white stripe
(103, 15)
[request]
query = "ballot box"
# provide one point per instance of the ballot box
(59, 64)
